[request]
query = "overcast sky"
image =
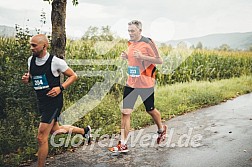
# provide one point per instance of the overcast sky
(162, 20)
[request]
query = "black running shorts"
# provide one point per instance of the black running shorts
(50, 109)
(130, 96)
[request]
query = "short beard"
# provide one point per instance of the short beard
(37, 54)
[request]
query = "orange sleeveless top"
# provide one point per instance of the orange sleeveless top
(146, 76)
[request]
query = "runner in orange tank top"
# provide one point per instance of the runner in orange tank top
(142, 55)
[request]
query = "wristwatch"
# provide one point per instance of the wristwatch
(61, 88)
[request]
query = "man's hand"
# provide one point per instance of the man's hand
(54, 92)
(25, 78)
(124, 55)
(137, 54)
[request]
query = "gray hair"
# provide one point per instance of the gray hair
(137, 23)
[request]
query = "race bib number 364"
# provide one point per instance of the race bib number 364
(40, 82)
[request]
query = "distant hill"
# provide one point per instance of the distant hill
(241, 41)
(6, 31)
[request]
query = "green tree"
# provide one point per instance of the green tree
(192, 47)
(92, 33)
(182, 45)
(224, 47)
(95, 34)
(106, 34)
(250, 48)
(199, 45)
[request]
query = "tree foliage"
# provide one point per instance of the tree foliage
(225, 47)
(96, 34)
(18, 105)
(250, 48)
(199, 45)
(74, 2)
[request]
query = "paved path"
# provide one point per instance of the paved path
(217, 136)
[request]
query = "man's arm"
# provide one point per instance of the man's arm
(154, 60)
(72, 76)
(153, 55)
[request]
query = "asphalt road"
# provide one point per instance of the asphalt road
(217, 136)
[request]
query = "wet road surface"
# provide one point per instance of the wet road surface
(220, 136)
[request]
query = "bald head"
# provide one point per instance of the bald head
(40, 38)
(39, 44)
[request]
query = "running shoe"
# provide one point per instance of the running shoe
(88, 135)
(162, 135)
(119, 148)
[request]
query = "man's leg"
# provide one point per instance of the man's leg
(125, 124)
(147, 96)
(86, 132)
(156, 116)
(43, 134)
(66, 129)
(129, 98)
(125, 127)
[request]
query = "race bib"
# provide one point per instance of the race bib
(134, 71)
(40, 82)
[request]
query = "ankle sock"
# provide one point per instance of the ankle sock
(123, 142)
(160, 130)
(86, 130)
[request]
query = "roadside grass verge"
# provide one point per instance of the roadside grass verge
(180, 98)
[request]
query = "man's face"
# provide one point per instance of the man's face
(134, 32)
(36, 46)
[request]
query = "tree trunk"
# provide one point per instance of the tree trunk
(58, 18)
